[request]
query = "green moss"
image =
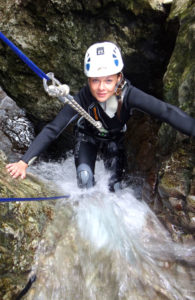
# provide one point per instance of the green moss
(180, 9)
(179, 77)
(21, 224)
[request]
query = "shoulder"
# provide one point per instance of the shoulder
(127, 92)
(128, 87)
(135, 95)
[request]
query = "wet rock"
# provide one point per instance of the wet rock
(16, 131)
(147, 265)
(21, 227)
(176, 175)
(20, 131)
(191, 196)
(191, 203)
(176, 187)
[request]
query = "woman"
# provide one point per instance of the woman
(109, 98)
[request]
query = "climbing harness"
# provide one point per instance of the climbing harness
(32, 198)
(56, 89)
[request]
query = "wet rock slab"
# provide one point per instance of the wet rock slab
(21, 227)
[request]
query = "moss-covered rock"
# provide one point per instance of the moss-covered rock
(21, 227)
(177, 150)
(176, 189)
(179, 77)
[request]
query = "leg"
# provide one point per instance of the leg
(114, 154)
(85, 157)
(85, 176)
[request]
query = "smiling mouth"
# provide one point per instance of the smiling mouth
(101, 95)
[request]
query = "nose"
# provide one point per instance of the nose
(101, 85)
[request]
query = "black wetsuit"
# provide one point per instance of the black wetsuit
(88, 140)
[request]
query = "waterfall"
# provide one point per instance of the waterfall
(106, 246)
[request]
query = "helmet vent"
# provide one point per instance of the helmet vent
(87, 67)
(116, 62)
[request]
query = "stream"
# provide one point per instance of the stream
(106, 246)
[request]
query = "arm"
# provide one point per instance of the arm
(49, 133)
(165, 112)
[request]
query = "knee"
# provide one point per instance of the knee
(114, 187)
(85, 176)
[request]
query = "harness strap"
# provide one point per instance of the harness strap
(106, 136)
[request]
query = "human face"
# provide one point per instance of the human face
(102, 88)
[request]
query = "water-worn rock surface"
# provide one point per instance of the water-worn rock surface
(109, 246)
(21, 227)
(176, 189)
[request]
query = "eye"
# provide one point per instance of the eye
(109, 81)
(95, 80)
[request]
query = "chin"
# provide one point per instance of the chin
(101, 100)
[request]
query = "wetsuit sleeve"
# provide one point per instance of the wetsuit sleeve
(165, 112)
(50, 132)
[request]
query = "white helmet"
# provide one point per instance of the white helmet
(103, 59)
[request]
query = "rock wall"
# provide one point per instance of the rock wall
(176, 186)
(56, 34)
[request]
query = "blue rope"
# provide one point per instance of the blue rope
(41, 74)
(25, 59)
(32, 199)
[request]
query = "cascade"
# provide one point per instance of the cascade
(103, 245)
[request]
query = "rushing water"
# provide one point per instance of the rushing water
(106, 246)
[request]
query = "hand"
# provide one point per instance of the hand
(17, 169)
